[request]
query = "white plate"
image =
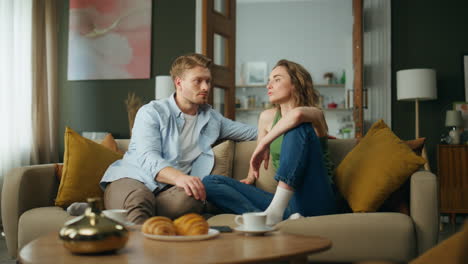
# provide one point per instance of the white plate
(256, 231)
(211, 234)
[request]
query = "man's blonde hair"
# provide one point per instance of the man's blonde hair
(187, 62)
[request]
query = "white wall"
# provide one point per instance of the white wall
(314, 33)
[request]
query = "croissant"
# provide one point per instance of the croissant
(191, 225)
(159, 225)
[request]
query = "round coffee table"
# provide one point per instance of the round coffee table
(226, 248)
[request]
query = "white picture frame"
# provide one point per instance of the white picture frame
(256, 73)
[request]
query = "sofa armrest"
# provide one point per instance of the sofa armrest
(25, 188)
(424, 209)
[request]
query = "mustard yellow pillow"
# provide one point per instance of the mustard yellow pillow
(84, 164)
(375, 168)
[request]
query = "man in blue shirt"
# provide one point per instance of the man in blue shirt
(170, 148)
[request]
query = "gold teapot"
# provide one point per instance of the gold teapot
(93, 232)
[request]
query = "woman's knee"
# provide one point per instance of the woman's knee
(213, 179)
(303, 131)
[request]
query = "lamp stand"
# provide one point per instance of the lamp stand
(423, 153)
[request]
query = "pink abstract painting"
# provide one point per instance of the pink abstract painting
(109, 39)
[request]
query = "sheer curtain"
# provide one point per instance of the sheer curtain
(44, 82)
(377, 61)
(16, 133)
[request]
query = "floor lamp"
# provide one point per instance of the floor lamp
(417, 85)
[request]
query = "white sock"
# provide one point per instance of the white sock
(277, 206)
(295, 216)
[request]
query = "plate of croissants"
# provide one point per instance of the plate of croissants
(189, 227)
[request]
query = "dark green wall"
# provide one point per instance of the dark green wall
(99, 105)
(429, 34)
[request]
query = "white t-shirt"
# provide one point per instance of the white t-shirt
(188, 144)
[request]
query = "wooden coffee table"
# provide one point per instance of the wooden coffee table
(226, 248)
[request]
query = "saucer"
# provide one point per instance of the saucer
(261, 231)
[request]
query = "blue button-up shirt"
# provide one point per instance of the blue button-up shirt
(154, 144)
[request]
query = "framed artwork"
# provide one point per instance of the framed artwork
(465, 75)
(463, 108)
(256, 73)
(109, 39)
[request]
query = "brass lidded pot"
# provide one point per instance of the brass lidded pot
(93, 232)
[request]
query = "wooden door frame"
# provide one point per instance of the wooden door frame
(358, 111)
(227, 29)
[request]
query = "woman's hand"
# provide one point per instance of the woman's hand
(260, 154)
(249, 180)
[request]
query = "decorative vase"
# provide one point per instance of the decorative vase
(93, 232)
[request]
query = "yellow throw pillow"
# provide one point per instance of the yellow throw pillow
(224, 155)
(375, 168)
(84, 164)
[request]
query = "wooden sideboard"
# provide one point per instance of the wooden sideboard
(452, 161)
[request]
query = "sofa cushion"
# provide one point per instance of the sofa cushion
(339, 148)
(355, 236)
(240, 167)
(359, 236)
(224, 154)
(85, 161)
(40, 221)
(375, 168)
(266, 180)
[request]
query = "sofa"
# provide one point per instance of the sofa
(28, 212)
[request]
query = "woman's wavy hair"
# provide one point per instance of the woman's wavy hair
(304, 93)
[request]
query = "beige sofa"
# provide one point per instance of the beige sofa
(28, 212)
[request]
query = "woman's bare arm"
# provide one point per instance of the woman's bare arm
(295, 117)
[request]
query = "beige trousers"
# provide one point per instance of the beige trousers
(142, 204)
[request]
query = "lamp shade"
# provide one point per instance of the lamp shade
(164, 86)
(416, 84)
(453, 118)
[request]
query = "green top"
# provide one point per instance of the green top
(275, 150)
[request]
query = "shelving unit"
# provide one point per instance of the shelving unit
(337, 118)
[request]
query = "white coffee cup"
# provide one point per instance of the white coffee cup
(118, 215)
(252, 221)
